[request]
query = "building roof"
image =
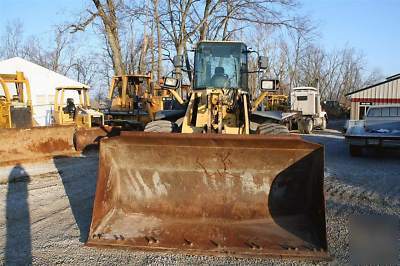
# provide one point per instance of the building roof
(388, 79)
(36, 74)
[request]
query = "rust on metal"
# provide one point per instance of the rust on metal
(35, 144)
(210, 194)
(88, 138)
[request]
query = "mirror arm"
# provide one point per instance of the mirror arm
(176, 96)
(259, 99)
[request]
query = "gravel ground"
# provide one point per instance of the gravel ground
(45, 209)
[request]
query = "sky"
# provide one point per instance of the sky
(369, 26)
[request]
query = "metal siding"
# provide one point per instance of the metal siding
(380, 95)
(354, 111)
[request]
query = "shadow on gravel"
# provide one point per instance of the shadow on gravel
(78, 175)
(18, 248)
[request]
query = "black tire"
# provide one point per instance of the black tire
(305, 126)
(309, 124)
(272, 129)
(355, 151)
(161, 126)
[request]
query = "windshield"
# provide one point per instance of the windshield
(220, 65)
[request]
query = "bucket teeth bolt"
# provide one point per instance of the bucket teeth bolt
(187, 242)
(119, 237)
(151, 240)
(253, 245)
(96, 235)
(215, 243)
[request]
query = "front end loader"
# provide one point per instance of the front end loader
(220, 186)
(130, 104)
(89, 123)
(15, 101)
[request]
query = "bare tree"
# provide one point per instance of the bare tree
(107, 12)
(12, 40)
(180, 24)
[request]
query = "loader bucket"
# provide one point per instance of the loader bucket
(211, 194)
(89, 138)
(19, 145)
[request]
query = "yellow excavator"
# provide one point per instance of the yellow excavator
(224, 185)
(15, 101)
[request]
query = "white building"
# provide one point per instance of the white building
(43, 83)
(385, 92)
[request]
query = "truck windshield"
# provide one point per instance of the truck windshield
(220, 65)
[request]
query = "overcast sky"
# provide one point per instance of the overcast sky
(371, 27)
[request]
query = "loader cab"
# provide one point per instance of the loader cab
(15, 101)
(220, 65)
(126, 91)
(72, 107)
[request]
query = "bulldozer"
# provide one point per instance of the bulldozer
(15, 101)
(220, 186)
(66, 112)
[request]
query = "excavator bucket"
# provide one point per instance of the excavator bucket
(211, 194)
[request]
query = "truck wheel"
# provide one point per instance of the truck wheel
(308, 126)
(323, 124)
(355, 151)
(272, 129)
(163, 126)
(305, 126)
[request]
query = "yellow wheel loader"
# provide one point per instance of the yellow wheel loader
(22, 141)
(89, 123)
(223, 186)
(67, 112)
(136, 101)
(128, 96)
(15, 101)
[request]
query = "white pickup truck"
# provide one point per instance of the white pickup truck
(380, 128)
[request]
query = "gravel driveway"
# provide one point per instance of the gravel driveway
(45, 209)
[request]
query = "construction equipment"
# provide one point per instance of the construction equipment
(307, 101)
(222, 192)
(129, 101)
(15, 101)
(66, 112)
(89, 123)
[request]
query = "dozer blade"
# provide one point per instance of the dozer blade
(35, 144)
(211, 194)
(89, 138)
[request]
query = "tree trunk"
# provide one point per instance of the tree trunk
(111, 31)
(142, 58)
(204, 28)
(159, 47)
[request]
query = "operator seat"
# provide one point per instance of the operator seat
(70, 108)
(220, 79)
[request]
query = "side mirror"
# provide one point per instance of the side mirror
(269, 84)
(170, 83)
(262, 62)
(178, 61)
